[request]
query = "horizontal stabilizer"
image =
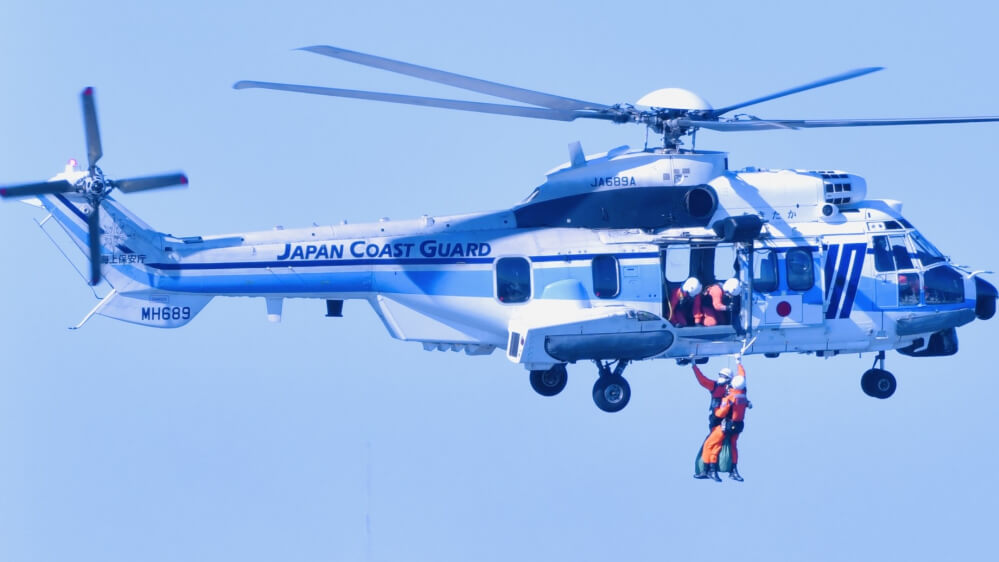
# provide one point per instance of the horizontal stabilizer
(159, 310)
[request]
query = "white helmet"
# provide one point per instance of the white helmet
(732, 287)
(691, 286)
(725, 375)
(739, 382)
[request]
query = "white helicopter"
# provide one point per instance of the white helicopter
(580, 270)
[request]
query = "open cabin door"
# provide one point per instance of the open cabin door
(711, 263)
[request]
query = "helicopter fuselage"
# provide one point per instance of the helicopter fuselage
(827, 271)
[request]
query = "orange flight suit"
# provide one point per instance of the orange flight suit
(715, 310)
(680, 305)
(718, 391)
(733, 411)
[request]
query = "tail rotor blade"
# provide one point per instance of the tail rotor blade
(94, 235)
(41, 188)
(150, 182)
(94, 151)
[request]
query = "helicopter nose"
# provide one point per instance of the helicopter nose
(985, 299)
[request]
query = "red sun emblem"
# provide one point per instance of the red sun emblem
(783, 309)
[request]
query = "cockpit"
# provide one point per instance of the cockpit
(905, 259)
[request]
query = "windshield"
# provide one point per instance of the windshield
(927, 253)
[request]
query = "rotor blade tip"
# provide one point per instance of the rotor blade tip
(3, 192)
(242, 85)
(88, 91)
(183, 179)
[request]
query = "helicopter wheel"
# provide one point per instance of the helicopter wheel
(611, 393)
(549, 382)
(878, 383)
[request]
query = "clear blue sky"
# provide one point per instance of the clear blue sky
(235, 439)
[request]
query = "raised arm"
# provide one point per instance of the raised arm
(703, 380)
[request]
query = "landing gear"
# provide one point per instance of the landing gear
(549, 382)
(877, 382)
(611, 392)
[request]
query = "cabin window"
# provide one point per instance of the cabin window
(765, 270)
(606, 277)
(513, 280)
(677, 264)
(800, 274)
(725, 262)
(943, 286)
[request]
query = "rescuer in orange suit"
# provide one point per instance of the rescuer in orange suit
(732, 412)
(718, 389)
(714, 305)
(681, 303)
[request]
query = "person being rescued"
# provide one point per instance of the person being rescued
(681, 303)
(730, 415)
(718, 389)
(714, 306)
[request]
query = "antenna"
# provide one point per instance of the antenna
(367, 509)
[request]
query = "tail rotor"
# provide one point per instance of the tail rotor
(93, 186)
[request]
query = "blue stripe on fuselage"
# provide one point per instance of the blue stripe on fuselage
(376, 261)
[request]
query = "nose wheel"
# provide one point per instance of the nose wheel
(876, 382)
(611, 392)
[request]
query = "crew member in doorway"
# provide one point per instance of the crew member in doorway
(681, 303)
(718, 389)
(732, 412)
(714, 306)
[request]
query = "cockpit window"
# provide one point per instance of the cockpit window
(901, 252)
(926, 252)
(883, 260)
(943, 285)
(891, 253)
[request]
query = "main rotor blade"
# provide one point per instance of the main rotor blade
(818, 83)
(41, 188)
(479, 107)
(132, 185)
(767, 124)
(457, 80)
(94, 151)
(94, 238)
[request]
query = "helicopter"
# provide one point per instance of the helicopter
(582, 269)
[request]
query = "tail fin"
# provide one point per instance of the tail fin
(127, 244)
(126, 241)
